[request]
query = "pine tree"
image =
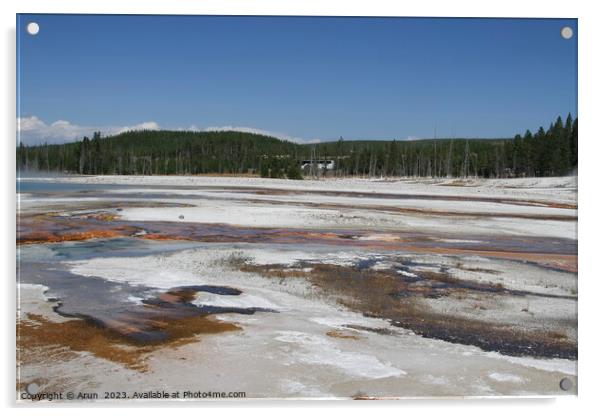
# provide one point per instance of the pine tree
(294, 170)
(574, 145)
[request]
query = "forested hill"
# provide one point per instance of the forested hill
(544, 153)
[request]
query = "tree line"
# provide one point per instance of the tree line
(551, 152)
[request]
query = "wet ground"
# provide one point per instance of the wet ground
(142, 272)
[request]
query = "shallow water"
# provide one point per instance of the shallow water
(48, 186)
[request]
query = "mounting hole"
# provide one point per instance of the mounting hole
(566, 32)
(32, 388)
(33, 28)
(566, 384)
(181, 217)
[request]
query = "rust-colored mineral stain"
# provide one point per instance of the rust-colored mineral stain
(559, 254)
(342, 335)
(164, 237)
(52, 228)
(48, 237)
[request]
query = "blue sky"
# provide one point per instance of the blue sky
(305, 78)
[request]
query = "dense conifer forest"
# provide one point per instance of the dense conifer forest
(547, 152)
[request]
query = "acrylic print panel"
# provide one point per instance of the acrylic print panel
(219, 207)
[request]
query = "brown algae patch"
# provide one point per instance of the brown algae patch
(165, 318)
(385, 294)
(37, 333)
(126, 335)
(80, 335)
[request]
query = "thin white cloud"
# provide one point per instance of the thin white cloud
(147, 125)
(32, 130)
(192, 127)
